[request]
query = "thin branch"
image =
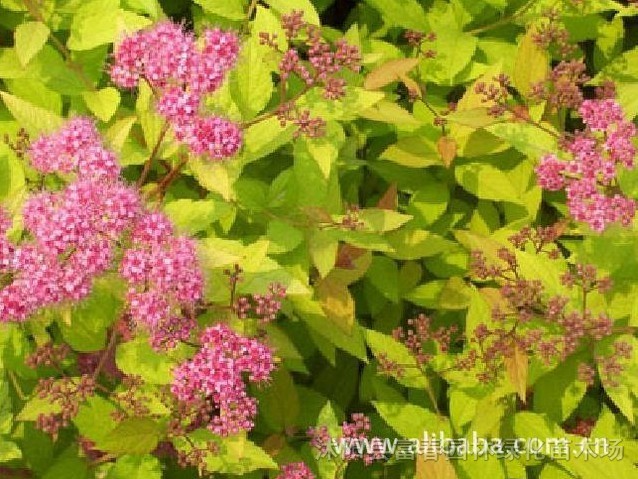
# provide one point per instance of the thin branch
(504, 20)
(169, 178)
(105, 354)
(245, 28)
(149, 162)
(59, 46)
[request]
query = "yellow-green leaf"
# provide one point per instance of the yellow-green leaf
(30, 37)
(336, 302)
(103, 103)
(439, 468)
(33, 118)
(532, 64)
(516, 366)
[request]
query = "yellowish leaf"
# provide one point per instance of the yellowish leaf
(532, 64)
(411, 85)
(389, 72)
(446, 147)
(439, 468)
(517, 367)
(336, 301)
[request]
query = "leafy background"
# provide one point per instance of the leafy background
(425, 203)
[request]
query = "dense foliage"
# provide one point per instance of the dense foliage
(237, 235)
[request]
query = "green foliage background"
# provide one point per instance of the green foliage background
(271, 210)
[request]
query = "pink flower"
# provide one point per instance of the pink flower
(550, 173)
(214, 137)
(597, 153)
(168, 58)
(216, 372)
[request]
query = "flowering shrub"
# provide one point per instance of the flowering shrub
(318, 239)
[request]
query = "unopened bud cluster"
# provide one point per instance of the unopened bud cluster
(322, 67)
(357, 430)
(529, 319)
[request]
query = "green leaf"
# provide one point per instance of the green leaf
(623, 68)
(12, 179)
(279, 403)
(263, 138)
(9, 451)
(36, 406)
(136, 435)
(286, 6)
(355, 101)
(552, 471)
(323, 247)
(33, 118)
(68, 466)
(90, 320)
(382, 220)
(230, 9)
(558, 393)
(388, 112)
(411, 421)
(462, 407)
(328, 417)
(103, 103)
(454, 51)
(212, 176)
(397, 352)
(30, 37)
(283, 237)
(94, 420)
(441, 294)
(429, 203)
(192, 216)
(413, 152)
(401, 13)
(118, 133)
(136, 467)
(138, 358)
(489, 466)
(530, 425)
(313, 315)
(94, 23)
(426, 295)
(487, 182)
(239, 455)
(526, 138)
(415, 244)
(251, 84)
(383, 274)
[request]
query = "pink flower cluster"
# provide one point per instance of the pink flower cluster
(164, 280)
(589, 178)
(169, 59)
(73, 231)
(216, 372)
(295, 470)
